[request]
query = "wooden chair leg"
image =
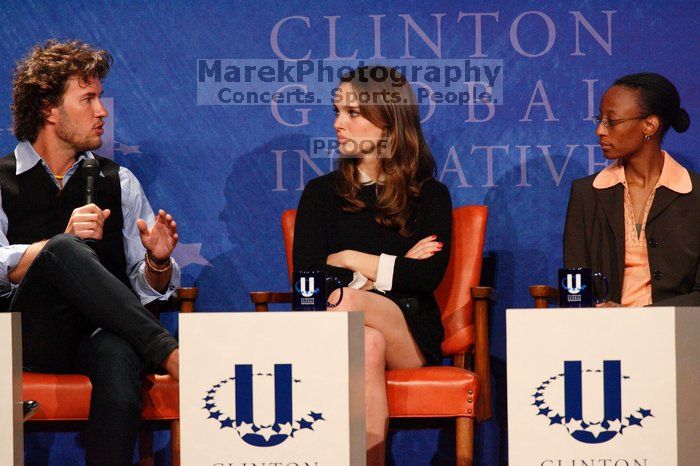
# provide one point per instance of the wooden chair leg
(146, 448)
(464, 441)
(175, 442)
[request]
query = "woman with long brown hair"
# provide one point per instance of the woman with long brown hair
(381, 224)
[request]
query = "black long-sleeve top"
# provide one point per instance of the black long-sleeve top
(323, 228)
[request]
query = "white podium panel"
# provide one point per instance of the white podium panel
(272, 388)
(11, 427)
(603, 387)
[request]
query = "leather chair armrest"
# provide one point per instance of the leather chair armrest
(261, 299)
(542, 294)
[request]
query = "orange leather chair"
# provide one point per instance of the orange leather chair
(460, 391)
(65, 398)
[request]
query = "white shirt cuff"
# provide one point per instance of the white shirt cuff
(385, 272)
(144, 290)
(358, 281)
(9, 258)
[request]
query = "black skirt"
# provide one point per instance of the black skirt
(423, 319)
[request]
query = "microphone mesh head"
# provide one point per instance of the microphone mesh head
(91, 167)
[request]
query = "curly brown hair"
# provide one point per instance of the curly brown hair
(40, 80)
(407, 163)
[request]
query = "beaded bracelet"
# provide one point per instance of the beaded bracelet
(153, 268)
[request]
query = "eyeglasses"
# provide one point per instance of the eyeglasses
(609, 123)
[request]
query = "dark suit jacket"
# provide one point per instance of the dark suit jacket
(594, 237)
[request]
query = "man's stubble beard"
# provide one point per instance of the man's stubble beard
(67, 132)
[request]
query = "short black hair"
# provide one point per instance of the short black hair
(658, 96)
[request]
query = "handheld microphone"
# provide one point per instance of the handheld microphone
(91, 170)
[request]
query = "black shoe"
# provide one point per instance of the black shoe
(29, 407)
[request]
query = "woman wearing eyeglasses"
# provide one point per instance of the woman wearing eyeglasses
(638, 220)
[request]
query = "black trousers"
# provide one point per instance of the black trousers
(64, 298)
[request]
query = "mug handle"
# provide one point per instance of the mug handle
(340, 287)
(607, 288)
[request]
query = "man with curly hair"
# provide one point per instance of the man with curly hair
(81, 274)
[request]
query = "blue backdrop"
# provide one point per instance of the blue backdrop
(226, 172)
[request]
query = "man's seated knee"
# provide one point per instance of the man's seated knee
(112, 356)
(67, 246)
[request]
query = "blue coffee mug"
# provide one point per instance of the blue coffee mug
(310, 291)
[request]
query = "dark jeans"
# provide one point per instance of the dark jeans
(64, 297)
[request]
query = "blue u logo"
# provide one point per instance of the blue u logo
(573, 399)
(283, 403)
(243, 422)
(307, 291)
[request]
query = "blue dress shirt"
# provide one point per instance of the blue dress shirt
(134, 206)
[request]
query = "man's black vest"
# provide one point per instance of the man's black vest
(36, 209)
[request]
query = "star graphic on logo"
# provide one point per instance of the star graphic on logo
(304, 424)
(614, 425)
(266, 432)
(186, 254)
(556, 419)
(286, 428)
(245, 428)
(316, 416)
(596, 429)
(573, 425)
(126, 150)
(249, 431)
(538, 403)
(634, 421)
(228, 422)
(645, 412)
(544, 411)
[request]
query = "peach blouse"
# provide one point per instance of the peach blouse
(636, 282)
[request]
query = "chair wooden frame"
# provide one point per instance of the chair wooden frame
(543, 294)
